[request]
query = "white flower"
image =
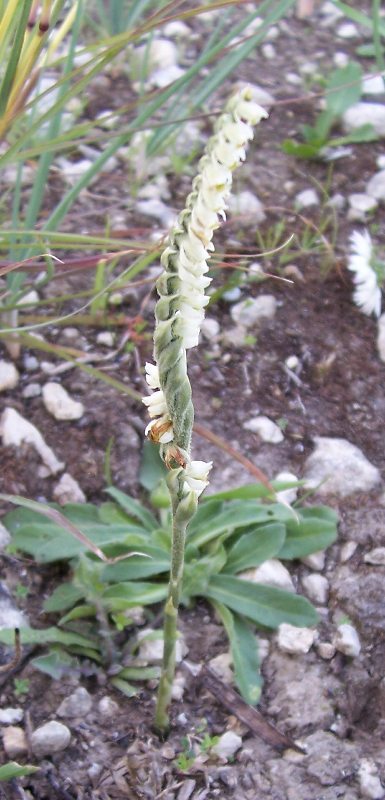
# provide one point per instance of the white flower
(160, 428)
(152, 375)
(196, 476)
(206, 207)
(367, 294)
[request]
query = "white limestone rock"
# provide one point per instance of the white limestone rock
(370, 784)
(227, 745)
(373, 85)
(316, 587)
(157, 209)
(151, 649)
(348, 30)
(15, 430)
(270, 573)
(360, 205)
(5, 537)
(295, 640)
(315, 561)
(50, 738)
(105, 338)
(254, 310)
(14, 742)
(338, 467)
(68, 491)
(376, 185)
(210, 328)
(107, 707)
(347, 550)
(77, 704)
(31, 390)
(246, 204)
(326, 650)
(287, 495)
(347, 640)
(375, 557)
(364, 114)
(265, 428)
(9, 376)
(307, 198)
(59, 403)
(9, 716)
(221, 665)
(381, 337)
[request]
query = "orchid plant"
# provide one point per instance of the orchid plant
(369, 273)
(179, 314)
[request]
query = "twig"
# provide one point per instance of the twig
(17, 655)
(246, 713)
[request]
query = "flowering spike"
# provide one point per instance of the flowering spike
(362, 262)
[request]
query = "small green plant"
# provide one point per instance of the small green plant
(342, 90)
(21, 686)
(14, 770)
(233, 531)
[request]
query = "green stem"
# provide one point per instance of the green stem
(183, 510)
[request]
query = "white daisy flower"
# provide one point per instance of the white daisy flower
(196, 476)
(367, 294)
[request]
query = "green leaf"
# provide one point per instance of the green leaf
(123, 595)
(255, 547)
(45, 636)
(365, 133)
(138, 566)
(63, 597)
(250, 491)
(197, 573)
(343, 88)
(56, 664)
(234, 515)
(47, 542)
(299, 150)
(133, 508)
(315, 530)
(152, 468)
(264, 605)
(244, 652)
(140, 673)
(15, 770)
(110, 514)
(80, 612)
(124, 687)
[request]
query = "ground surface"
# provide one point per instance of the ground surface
(334, 707)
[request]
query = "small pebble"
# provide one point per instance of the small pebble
(316, 587)
(9, 716)
(77, 704)
(287, 495)
(50, 738)
(270, 573)
(221, 665)
(347, 31)
(265, 428)
(376, 556)
(326, 650)
(210, 328)
(347, 550)
(14, 742)
(360, 205)
(370, 783)
(307, 198)
(9, 376)
(59, 403)
(315, 560)
(68, 491)
(295, 640)
(347, 640)
(107, 707)
(232, 295)
(105, 338)
(227, 745)
(31, 390)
